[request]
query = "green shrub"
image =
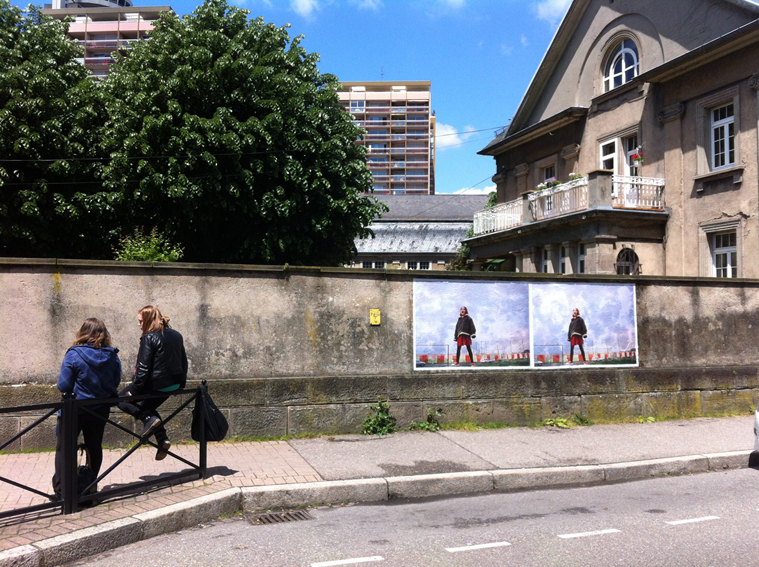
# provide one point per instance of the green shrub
(432, 423)
(380, 421)
(153, 247)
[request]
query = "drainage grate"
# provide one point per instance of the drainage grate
(279, 517)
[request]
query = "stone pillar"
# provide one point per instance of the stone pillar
(570, 250)
(528, 261)
(599, 188)
(526, 210)
(519, 260)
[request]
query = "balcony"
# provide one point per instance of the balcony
(98, 61)
(377, 109)
(619, 192)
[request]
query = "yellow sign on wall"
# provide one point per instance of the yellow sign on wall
(374, 317)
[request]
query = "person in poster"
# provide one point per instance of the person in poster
(464, 334)
(577, 332)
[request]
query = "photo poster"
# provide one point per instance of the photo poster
(524, 325)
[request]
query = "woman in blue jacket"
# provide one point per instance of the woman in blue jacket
(91, 369)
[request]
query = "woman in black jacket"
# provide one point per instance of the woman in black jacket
(463, 334)
(161, 367)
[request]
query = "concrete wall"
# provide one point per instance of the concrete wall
(292, 351)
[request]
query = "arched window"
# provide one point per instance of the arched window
(627, 263)
(621, 65)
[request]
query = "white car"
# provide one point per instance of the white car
(756, 430)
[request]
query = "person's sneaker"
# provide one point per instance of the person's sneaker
(163, 450)
(473, 364)
(570, 362)
(455, 363)
(151, 423)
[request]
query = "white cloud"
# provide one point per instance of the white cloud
(304, 7)
(472, 191)
(447, 136)
(453, 3)
(506, 50)
(552, 10)
(524, 40)
(375, 5)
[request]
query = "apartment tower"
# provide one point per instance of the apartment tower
(400, 133)
(104, 26)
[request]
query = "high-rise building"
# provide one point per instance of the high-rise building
(400, 133)
(104, 26)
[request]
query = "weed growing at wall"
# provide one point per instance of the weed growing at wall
(380, 421)
(432, 423)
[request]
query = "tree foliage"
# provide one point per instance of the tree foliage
(153, 247)
(220, 131)
(224, 133)
(49, 117)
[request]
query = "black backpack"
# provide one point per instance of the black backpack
(215, 422)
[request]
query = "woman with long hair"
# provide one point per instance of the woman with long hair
(161, 368)
(463, 335)
(91, 369)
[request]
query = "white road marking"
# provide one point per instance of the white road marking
(586, 534)
(348, 561)
(480, 546)
(704, 519)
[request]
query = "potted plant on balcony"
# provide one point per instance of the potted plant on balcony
(548, 183)
(637, 159)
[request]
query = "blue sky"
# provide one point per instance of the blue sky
(608, 311)
(479, 55)
(499, 310)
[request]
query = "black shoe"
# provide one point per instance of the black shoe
(163, 450)
(151, 423)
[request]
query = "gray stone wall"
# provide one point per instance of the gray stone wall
(290, 351)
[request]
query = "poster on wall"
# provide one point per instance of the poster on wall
(465, 324)
(582, 323)
(494, 324)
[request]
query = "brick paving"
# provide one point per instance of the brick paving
(229, 465)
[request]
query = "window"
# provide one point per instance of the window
(549, 172)
(544, 265)
(581, 259)
(424, 265)
(357, 106)
(379, 264)
(723, 136)
(725, 255)
(627, 263)
(631, 149)
(411, 265)
(366, 264)
(563, 260)
(609, 155)
(621, 65)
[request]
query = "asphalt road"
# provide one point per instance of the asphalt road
(709, 519)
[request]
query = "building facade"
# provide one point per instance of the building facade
(419, 232)
(102, 27)
(634, 149)
(400, 133)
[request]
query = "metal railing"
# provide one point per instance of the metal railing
(499, 217)
(70, 500)
(560, 199)
(630, 192)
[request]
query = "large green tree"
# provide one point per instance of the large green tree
(50, 201)
(224, 134)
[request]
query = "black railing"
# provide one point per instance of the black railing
(70, 500)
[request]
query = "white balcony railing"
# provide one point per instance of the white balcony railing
(637, 192)
(560, 199)
(500, 217)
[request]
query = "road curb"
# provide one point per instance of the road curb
(97, 539)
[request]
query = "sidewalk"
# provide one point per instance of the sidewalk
(332, 469)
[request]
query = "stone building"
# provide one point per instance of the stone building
(634, 149)
(419, 232)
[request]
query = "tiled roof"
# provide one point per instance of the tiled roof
(414, 237)
(440, 208)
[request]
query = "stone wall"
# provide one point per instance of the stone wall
(289, 351)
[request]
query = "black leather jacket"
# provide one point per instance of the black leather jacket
(161, 362)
